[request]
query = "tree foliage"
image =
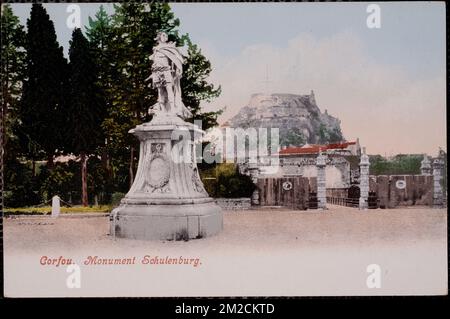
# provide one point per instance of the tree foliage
(196, 88)
(294, 137)
(225, 180)
(86, 109)
(43, 108)
(12, 75)
(329, 136)
(398, 165)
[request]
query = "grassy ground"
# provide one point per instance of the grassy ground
(43, 210)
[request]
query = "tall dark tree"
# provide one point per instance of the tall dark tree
(18, 181)
(99, 34)
(12, 75)
(86, 109)
(43, 104)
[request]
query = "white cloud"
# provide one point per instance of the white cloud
(388, 110)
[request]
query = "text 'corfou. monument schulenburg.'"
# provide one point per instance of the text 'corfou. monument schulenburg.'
(167, 199)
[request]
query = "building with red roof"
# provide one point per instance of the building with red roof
(341, 148)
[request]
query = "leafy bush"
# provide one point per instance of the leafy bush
(65, 180)
(58, 181)
(329, 136)
(100, 183)
(398, 165)
(294, 137)
(228, 182)
(19, 185)
(116, 197)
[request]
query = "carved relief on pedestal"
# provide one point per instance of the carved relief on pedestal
(197, 183)
(158, 170)
(195, 177)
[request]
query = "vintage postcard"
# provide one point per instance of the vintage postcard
(224, 149)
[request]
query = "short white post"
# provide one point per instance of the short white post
(55, 206)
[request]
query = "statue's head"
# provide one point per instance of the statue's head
(162, 37)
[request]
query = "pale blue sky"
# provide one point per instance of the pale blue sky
(412, 33)
(386, 85)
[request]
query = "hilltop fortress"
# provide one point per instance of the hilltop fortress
(298, 118)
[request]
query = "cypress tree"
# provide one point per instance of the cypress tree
(86, 107)
(43, 104)
(99, 34)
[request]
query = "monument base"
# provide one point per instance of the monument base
(167, 222)
(167, 200)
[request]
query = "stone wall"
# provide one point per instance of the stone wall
(292, 192)
(242, 203)
(395, 190)
(402, 190)
(380, 185)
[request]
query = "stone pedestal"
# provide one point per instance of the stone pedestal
(167, 200)
(364, 180)
(321, 182)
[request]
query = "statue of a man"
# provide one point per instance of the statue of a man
(167, 69)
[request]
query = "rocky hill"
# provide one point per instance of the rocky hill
(298, 118)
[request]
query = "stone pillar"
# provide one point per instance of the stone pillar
(425, 166)
(254, 173)
(364, 180)
(438, 194)
(321, 181)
